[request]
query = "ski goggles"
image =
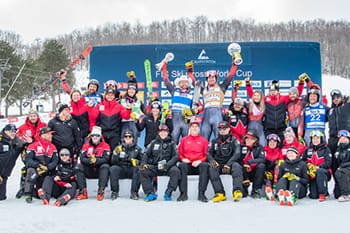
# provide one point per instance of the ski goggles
(95, 135)
(210, 73)
(156, 104)
(316, 133)
(335, 93)
(343, 133)
(314, 91)
(110, 83)
(273, 137)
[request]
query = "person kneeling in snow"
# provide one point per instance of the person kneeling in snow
(292, 178)
(62, 184)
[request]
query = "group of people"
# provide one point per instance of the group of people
(275, 143)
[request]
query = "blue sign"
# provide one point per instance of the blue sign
(262, 61)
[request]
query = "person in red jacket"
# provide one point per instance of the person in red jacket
(290, 139)
(32, 125)
(41, 161)
(274, 120)
(272, 153)
(94, 163)
(28, 131)
(83, 114)
(109, 117)
(193, 156)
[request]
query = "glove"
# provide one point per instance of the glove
(134, 162)
(268, 175)
(293, 177)
(248, 81)
(229, 113)
(214, 164)
(1, 179)
(143, 167)
(92, 159)
(117, 150)
(286, 175)
(301, 140)
(238, 83)
(226, 169)
(133, 115)
(187, 114)
(189, 66)
(247, 167)
(279, 162)
(304, 77)
(312, 170)
(41, 169)
(286, 120)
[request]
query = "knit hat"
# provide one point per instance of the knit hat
(96, 130)
(10, 127)
(62, 107)
(156, 104)
(33, 111)
(64, 151)
(289, 131)
(239, 101)
(45, 130)
(274, 86)
(132, 84)
(292, 148)
(294, 90)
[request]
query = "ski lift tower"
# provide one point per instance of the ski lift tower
(4, 66)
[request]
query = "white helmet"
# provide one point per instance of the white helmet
(183, 78)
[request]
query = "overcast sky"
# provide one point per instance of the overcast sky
(48, 18)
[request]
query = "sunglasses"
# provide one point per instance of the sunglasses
(64, 154)
(128, 136)
(95, 135)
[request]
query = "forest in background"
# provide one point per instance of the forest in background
(334, 36)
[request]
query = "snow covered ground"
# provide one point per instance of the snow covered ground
(125, 215)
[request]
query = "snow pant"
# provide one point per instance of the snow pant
(237, 178)
(211, 119)
(52, 189)
(124, 172)
(112, 140)
(180, 127)
(202, 170)
(100, 172)
(33, 182)
(319, 185)
(152, 170)
(342, 178)
(259, 128)
(294, 186)
(256, 176)
(307, 138)
(3, 187)
(131, 125)
(279, 132)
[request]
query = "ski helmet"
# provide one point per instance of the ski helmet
(94, 82)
